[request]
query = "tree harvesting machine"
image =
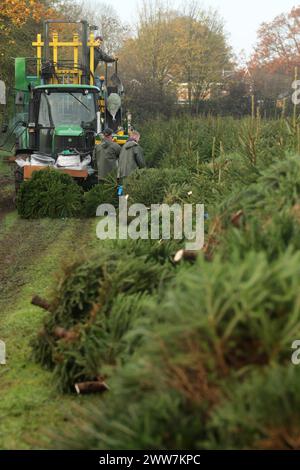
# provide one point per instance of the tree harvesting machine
(60, 106)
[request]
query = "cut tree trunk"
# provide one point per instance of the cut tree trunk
(187, 255)
(90, 387)
(236, 219)
(39, 302)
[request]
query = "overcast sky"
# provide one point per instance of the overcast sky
(242, 18)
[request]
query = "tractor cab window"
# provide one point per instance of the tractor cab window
(44, 117)
(61, 108)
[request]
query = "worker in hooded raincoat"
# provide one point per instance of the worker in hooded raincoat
(107, 154)
(131, 156)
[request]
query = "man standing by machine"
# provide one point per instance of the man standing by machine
(131, 156)
(107, 155)
(99, 54)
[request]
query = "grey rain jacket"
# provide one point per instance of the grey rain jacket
(131, 158)
(107, 154)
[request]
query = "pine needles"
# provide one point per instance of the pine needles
(49, 194)
(197, 355)
(93, 309)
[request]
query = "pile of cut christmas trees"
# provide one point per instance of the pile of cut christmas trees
(191, 354)
(53, 194)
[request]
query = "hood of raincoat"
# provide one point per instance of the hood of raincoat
(129, 144)
(106, 143)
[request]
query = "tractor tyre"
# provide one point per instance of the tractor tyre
(89, 182)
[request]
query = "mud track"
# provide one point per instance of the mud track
(7, 191)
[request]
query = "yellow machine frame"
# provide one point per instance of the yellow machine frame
(74, 72)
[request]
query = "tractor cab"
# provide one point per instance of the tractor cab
(62, 103)
(63, 118)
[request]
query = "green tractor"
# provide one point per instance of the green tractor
(61, 106)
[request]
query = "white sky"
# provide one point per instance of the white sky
(242, 18)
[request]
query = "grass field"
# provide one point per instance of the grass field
(31, 254)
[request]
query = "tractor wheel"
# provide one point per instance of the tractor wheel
(89, 182)
(19, 178)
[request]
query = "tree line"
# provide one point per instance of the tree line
(168, 50)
